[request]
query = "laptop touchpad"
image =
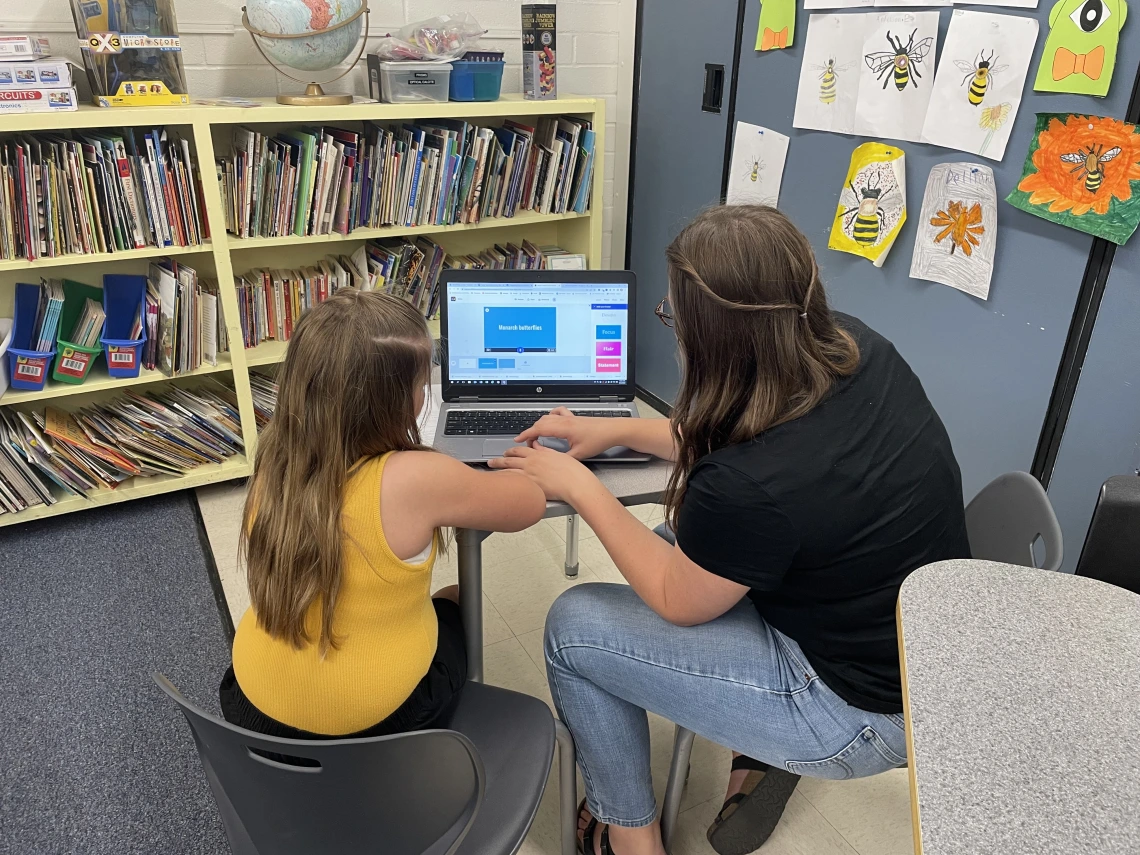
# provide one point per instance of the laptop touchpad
(496, 447)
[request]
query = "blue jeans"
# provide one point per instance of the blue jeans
(735, 681)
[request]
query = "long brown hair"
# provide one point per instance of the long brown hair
(346, 392)
(758, 343)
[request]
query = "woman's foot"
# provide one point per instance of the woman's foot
(756, 797)
(596, 838)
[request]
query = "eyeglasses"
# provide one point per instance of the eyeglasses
(661, 312)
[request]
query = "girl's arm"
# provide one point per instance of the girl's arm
(589, 437)
(680, 591)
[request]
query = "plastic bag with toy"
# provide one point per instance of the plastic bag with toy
(440, 38)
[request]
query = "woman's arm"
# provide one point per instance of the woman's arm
(589, 437)
(673, 586)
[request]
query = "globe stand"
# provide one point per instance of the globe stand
(314, 95)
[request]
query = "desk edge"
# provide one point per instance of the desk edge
(912, 772)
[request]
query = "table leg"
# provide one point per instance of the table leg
(470, 543)
(572, 546)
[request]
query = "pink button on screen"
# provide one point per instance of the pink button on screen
(608, 365)
(609, 348)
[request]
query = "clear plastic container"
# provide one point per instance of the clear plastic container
(403, 82)
(476, 81)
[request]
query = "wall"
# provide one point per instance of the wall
(595, 58)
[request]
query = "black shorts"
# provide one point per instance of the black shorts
(429, 704)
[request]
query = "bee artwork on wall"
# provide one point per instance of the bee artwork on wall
(829, 73)
(897, 76)
(872, 205)
(1083, 172)
(979, 83)
(956, 237)
(757, 167)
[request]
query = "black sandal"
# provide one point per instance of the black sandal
(747, 819)
(587, 838)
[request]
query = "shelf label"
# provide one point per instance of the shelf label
(121, 357)
(73, 364)
(31, 370)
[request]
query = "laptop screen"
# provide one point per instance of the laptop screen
(526, 332)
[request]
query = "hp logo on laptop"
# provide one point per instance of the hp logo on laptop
(539, 389)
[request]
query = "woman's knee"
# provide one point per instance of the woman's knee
(582, 612)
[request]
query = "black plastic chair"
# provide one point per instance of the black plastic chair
(1113, 540)
(473, 789)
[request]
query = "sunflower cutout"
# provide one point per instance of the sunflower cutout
(1079, 173)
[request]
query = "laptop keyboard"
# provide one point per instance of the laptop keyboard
(508, 422)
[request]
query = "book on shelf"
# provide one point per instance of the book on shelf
(98, 192)
(264, 390)
(89, 325)
(170, 432)
(47, 315)
(184, 312)
(326, 180)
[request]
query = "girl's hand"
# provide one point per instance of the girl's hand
(588, 437)
(558, 475)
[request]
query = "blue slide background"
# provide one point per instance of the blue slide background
(543, 317)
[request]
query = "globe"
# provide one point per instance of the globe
(321, 50)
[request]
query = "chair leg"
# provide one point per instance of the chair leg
(567, 789)
(678, 774)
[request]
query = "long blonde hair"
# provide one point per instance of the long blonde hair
(758, 343)
(346, 392)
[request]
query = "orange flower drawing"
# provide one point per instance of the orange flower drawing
(1082, 163)
(961, 224)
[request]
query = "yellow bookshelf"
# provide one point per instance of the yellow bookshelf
(209, 130)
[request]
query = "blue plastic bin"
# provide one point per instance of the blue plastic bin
(27, 369)
(122, 301)
(475, 81)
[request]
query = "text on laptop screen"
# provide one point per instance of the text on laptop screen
(537, 332)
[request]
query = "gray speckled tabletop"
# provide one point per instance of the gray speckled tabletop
(1024, 710)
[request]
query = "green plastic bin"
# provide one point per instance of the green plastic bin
(72, 362)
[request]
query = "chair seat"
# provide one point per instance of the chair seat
(515, 737)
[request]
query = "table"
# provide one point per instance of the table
(1022, 697)
(631, 483)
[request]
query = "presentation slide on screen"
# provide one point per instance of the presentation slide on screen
(551, 333)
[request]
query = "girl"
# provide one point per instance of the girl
(341, 530)
(812, 475)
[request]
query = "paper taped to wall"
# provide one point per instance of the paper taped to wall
(829, 76)
(872, 205)
(896, 80)
(757, 167)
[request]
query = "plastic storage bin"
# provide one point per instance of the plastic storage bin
(73, 362)
(476, 81)
(27, 369)
(122, 301)
(401, 82)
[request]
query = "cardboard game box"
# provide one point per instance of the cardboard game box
(539, 39)
(28, 100)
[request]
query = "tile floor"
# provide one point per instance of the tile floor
(523, 573)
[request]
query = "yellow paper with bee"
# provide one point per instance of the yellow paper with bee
(872, 204)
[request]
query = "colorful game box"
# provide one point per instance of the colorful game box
(539, 38)
(38, 74)
(26, 100)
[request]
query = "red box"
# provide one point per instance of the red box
(604, 365)
(609, 348)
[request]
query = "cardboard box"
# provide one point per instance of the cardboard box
(539, 38)
(38, 101)
(38, 74)
(22, 48)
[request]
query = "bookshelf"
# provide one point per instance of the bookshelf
(209, 130)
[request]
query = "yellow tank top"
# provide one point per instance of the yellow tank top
(384, 621)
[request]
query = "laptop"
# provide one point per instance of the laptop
(518, 343)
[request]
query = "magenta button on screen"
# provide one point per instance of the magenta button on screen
(609, 348)
(608, 365)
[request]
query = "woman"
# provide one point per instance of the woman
(341, 531)
(812, 475)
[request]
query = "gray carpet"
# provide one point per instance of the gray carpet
(93, 757)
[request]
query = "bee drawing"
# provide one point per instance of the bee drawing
(828, 78)
(1090, 163)
(902, 59)
(755, 167)
(865, 221)
(978, 75)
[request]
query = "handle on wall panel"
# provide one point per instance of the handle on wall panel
(714, 88)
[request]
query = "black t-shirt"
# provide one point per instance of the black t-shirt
(824, 516)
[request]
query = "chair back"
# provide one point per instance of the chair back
(1113, 540)
(1005, 519)
(407, 794)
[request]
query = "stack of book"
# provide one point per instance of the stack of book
(31, 81)
(324, 180)
(89, 325)
(264, 390)
(98, 192)
(170, 432)
(47, 315)
(183, 317)
(512, 257)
